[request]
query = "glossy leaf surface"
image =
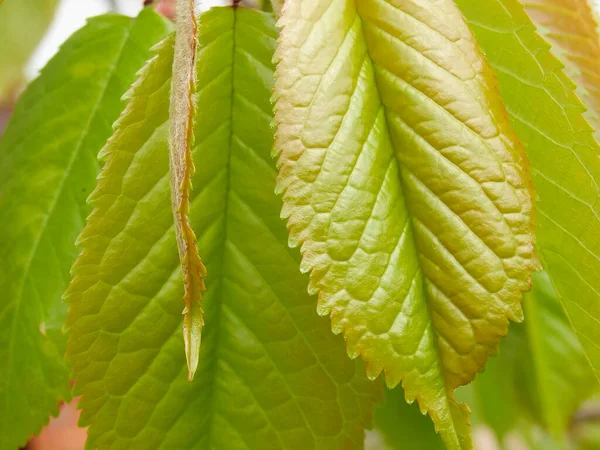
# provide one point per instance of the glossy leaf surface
(271, 375)
(406, 190)
(47, 169)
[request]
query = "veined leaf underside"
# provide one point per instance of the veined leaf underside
(406, 189)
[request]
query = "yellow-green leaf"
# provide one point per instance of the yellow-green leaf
(570, 27)
(271, 375)
(563, 155)
(405, 187)
(48, 166)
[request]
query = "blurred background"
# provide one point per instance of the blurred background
(31, 31)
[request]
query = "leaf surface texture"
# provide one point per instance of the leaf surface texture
(542, 376)
(563, 155)
(47, 169)
(405, 188)
(271, 375)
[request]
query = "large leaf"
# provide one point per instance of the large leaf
(271, 375)
(47, 169)
(404, 185)
(23, 23)
(563, 154)
(570, 27)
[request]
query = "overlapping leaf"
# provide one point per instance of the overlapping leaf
(271, 375)
(47, 169)
(563, 154)
(404, 185)
(403, 426)
(542, 376)
(570, 27)
(181, 136)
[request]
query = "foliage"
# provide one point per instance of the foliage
(46, 173)
(433, 161)
(22, 25)
(248, 391)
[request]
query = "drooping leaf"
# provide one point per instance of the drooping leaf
(181, 137)
(271, 375)
(404, 185)
(47, 169)
(23, 23)
(563, 155)
(570, 27)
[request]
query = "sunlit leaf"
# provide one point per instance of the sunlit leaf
(47, 169)
(404, 185)
(570, 27)
(271, 375)
(563, 155)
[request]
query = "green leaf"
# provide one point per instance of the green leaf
(23, 23)
(404, 185)
(542, 376)
(570, 27)
(271, 375)
(403, 426)
(495, 394)
(47, 169)
(563, 155)
(561, 378)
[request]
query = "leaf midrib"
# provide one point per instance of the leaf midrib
(219, 316)
(76, 153)
(411, 225)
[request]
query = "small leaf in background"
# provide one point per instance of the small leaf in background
(563, 155)
(403, 426)
(271, 375)
(23, 23)
(47, 169)
(554, 367)
(406, 190)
